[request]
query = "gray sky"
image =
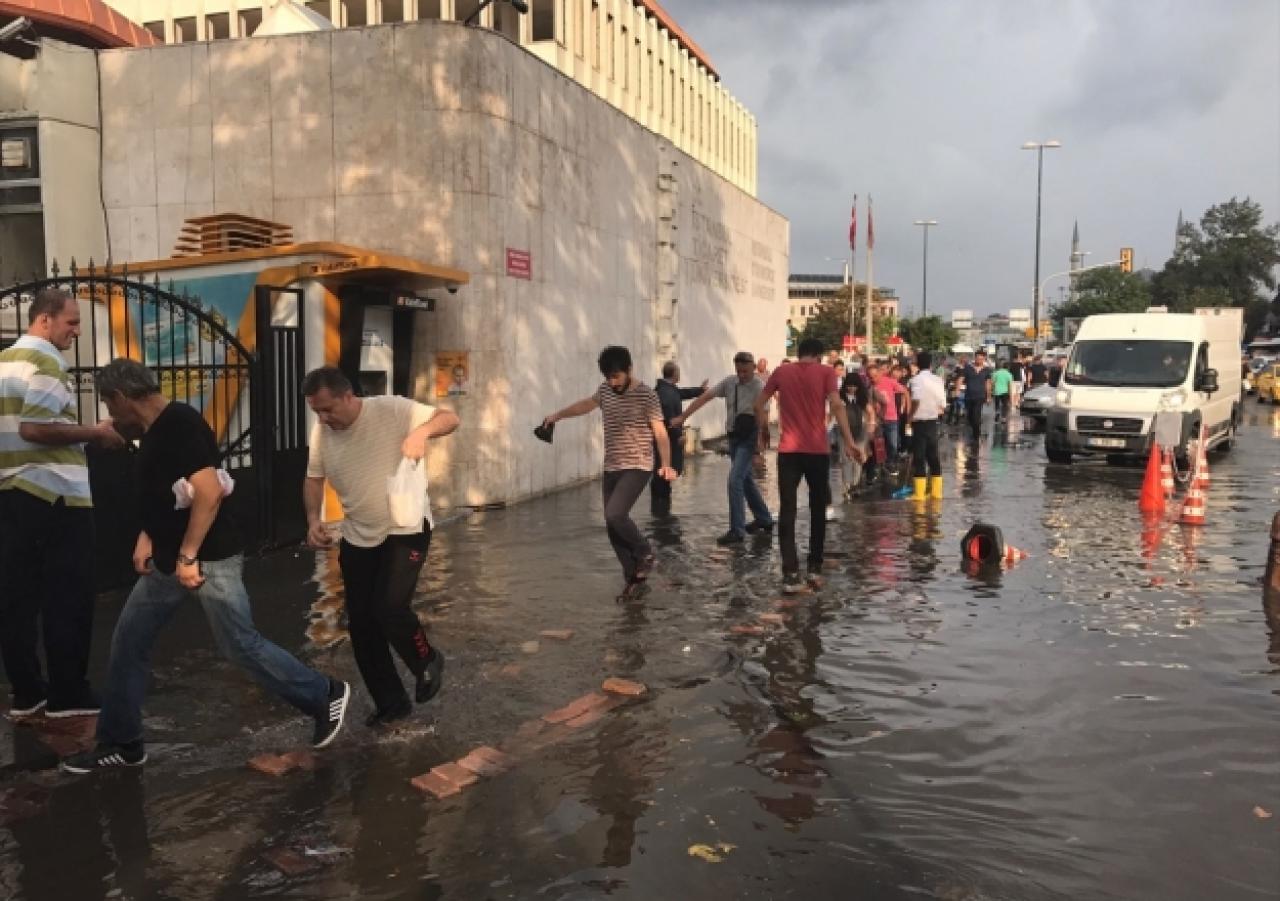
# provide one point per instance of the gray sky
(924, 104)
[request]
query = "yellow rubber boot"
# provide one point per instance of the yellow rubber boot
(935, 487)
(919, 489)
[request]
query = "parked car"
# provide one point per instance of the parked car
(1036, 403)
(1265, 381)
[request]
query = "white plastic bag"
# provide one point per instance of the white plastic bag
(184, 493)
(407, 494)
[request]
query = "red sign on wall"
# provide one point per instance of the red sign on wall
(519, 264)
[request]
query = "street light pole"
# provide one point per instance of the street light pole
(1039, 148)
(925, 224)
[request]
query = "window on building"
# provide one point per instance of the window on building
(595, 35)
(217, 26)
(506, 21)
(465, 9)
(324, 8)
(156, 29)
(250, 19)
(610, 33)
(184, 30)
(356, 13)
(544, 20)
(391, 11)
(428, 9)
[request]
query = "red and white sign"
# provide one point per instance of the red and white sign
(847, 343)
(519, 264)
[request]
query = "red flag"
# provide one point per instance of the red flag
(871, 228)
(853, 225)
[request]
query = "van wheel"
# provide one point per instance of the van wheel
(1057, 456)
(1230, 441)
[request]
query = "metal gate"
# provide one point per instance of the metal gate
(199, 361)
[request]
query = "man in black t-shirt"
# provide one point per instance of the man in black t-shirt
(188, 545)
(1038, 371)
(977, 392)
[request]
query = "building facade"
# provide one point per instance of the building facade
(806, 292)
(446, 146)
(631, 53)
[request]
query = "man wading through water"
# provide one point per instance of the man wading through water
(808, 391)
(356, 444)
(633, 426)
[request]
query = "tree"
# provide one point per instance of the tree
(928, 333)
(1105, 291)
(831, 322)
(1228, 260)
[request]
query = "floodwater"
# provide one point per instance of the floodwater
(1100, 721)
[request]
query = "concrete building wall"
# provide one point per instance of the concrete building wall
(628, 52)
(450, 145)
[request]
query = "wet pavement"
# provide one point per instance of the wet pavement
(1099, 721)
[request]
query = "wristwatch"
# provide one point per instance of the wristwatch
(188, 561)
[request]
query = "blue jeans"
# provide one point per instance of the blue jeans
(891, 431)
(152, 603)
(743, 490)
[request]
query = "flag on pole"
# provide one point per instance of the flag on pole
(853, 225)
(871, 228)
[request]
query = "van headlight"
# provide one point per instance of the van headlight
(1063, 397)
(1173, 400)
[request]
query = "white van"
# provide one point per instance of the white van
(1126, 367)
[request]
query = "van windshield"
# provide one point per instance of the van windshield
(1129, 363)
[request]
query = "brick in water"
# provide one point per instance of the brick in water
(625, 687)
(301, 759)
(289, 861)
(576, 708)
(21, 803)
(434, 784)
(773, 619)
(586, 719)
(485, 761)
(270, 764)
(746, 630)
(459, 776)
(557, 634)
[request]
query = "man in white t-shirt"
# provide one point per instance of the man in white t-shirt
(356, 444)
(928, 403)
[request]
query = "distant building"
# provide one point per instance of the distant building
(1019, 320)
(806, 292)
(962, 320)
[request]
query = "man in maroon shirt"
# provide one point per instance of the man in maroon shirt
(808, 391)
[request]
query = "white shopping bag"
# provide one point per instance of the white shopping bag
(407, 494)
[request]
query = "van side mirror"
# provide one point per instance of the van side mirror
(1208, 381)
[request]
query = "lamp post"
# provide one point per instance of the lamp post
(1039, 148)
(847, 282)
(925, 225)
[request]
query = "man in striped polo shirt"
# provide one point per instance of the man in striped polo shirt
(46, 516)
(633, 424)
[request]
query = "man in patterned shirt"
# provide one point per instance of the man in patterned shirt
(46, 516)
(632, 420)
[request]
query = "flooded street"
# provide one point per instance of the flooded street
(1100, 721)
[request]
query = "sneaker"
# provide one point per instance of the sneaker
(759, 525)
(633, 592)
(731, 537)
(87, 705)
(382, 718)
(329, 723)
(25, 708)
(430, 679)
(831, 514)
(104, 757)
(791, 583)
(903, 493)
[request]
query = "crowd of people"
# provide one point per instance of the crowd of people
(872, 415)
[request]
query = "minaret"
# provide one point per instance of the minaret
(1177, 235)
(1076, 259)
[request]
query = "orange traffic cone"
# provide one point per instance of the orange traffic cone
(1202, 459)
(1013, 554)
(1193, 506)
(1151, 500)
(1166, 473)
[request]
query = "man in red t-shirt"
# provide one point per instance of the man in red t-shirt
(808, 391)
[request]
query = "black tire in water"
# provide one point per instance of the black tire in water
(1057, 456)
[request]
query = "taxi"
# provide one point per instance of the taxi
(1266, 381)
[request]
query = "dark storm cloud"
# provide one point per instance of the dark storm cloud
(1160, 106)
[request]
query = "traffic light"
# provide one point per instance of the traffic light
(1126, 259)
